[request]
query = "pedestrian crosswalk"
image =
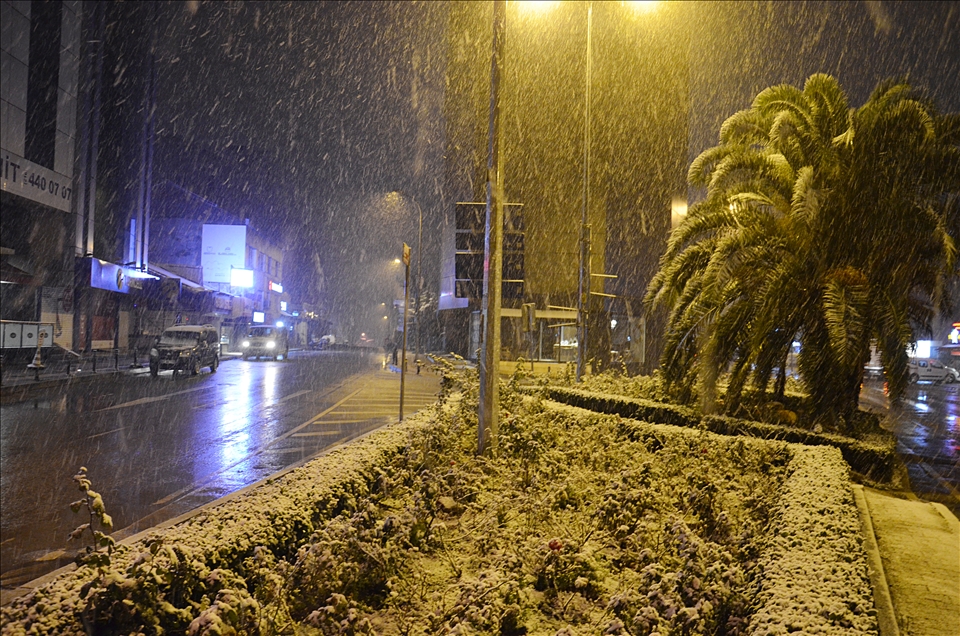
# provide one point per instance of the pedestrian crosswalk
(374, 404)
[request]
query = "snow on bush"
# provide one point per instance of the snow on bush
(814, 576)
(874, 458)
(574, 527)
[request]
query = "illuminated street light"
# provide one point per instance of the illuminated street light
(583, 291)
(398, 196)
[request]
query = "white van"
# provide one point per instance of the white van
(921, 370)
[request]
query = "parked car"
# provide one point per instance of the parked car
(930, 371)
(262, 340)
(186, 348)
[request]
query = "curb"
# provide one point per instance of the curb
(886, 617)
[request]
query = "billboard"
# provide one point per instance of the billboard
(224, 248)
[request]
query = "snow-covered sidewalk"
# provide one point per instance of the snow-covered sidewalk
(919, 546)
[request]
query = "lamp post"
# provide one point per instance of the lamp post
(417, 290)
(583, 297)
(488, 426)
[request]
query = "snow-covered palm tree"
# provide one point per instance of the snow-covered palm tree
(821, 223)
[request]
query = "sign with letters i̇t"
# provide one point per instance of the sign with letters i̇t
(406, 254)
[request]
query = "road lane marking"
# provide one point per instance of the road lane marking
(225, 469)
(116, 430)
(293, 395)
(149, 400)
(318, 433)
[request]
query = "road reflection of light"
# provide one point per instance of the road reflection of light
(235, 420)
(270, 384)
(919, 407)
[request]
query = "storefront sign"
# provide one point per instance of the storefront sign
(108, 276)
(27, 179)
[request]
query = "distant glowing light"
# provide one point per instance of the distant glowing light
(277, 287)
(241, 277)
(922, 349)
(641, 6)
(536, 6)
(954, 336)
(280, 323)
(258, 316)
(283, 305)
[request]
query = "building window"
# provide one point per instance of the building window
(43, 82)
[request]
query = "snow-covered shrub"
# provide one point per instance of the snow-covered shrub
(641, 409)
(579, 523)
(813, 573)
(874, 458)
(645, 387)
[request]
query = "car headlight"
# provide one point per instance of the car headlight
(154, 353)
(271, 344)
(185, 354)
(245, 343)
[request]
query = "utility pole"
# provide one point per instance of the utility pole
(489, 408)
(583, 298)
(406, 304)
(416, 305)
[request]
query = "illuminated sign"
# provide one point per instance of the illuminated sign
(224, 248)
(283, 305)
(277, 287)
(104, 275)
(258, 316)
(241, 277)
(954, 336)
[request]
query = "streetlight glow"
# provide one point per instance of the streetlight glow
(641, 6)
(536, 6)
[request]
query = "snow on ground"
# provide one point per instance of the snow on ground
(574, 529)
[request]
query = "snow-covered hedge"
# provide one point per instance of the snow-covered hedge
(814, 577)
(876, 460)
(635, 408)
(573, 528)
(184, 577)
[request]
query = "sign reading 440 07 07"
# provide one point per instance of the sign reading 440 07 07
(27, 179)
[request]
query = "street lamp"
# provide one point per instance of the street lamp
(397, 195)
(583, 291)
(493, 235)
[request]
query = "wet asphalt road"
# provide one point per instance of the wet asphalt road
(156, 448)
(927, 426)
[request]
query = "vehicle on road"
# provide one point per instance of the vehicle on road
(271, 342)
(186, 348)
(930, 371)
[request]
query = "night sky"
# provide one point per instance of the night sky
(302, 116)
